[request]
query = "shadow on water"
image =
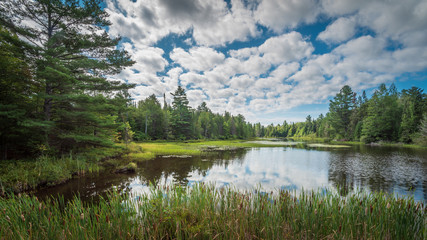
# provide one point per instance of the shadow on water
(390, 169)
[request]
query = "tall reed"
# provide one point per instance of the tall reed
(205, 212)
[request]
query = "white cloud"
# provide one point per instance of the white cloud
(285, 48)
(285, 14)
(196, 97)
(197, 59)
(211, 21)
(339, 31)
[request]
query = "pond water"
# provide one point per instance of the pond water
(402, 171)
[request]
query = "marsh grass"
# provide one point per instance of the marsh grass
(26, 174)
(150, 150)
(205, 212)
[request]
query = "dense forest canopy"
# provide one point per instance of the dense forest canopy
(55, 56)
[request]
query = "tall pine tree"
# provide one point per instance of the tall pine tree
(73, 56)
(340, 109)
(181, 115)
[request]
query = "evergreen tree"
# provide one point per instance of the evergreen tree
(73, 54)
(181, 115)
(383, 116)
(20, 127)
(340, 111)
(412, 105)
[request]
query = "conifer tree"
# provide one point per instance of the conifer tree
(19, 126)
(181, 115)
(73, 54)
(340, 109)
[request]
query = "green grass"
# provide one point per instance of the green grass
(22, 175)
(310, 138)
(149, 150)
(205, 212)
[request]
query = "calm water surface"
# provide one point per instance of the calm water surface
(402, 171)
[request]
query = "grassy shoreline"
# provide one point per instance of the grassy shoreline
(205, 212)
(23, 175)
(27, 174)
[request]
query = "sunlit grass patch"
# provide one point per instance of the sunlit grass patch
(141, 156)
(170, 148)
(147, 151)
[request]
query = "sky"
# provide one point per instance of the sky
(270, 60)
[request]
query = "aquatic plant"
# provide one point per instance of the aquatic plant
(205, 212)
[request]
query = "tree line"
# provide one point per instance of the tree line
(149, 120)
(387, 116)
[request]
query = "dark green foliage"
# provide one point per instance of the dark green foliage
(340, 110)
(383, 116)
(412, 102)
(20, 127)
(69, 55)
(181, 115)
(148, 120)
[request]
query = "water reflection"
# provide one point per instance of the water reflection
(403, 171)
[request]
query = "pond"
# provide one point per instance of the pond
(295, 166)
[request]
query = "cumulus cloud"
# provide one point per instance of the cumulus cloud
(197, 59)
(339, 31)
(370, 42)
(211, 21)
(286, 48)
(286, 14)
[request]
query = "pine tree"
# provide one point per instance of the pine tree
(73, 54)
(340, 110)
(20, 128)
(181, 115)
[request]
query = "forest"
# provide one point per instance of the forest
(56, 98)
(388, 116)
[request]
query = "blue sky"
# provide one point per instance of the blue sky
(270, 60)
